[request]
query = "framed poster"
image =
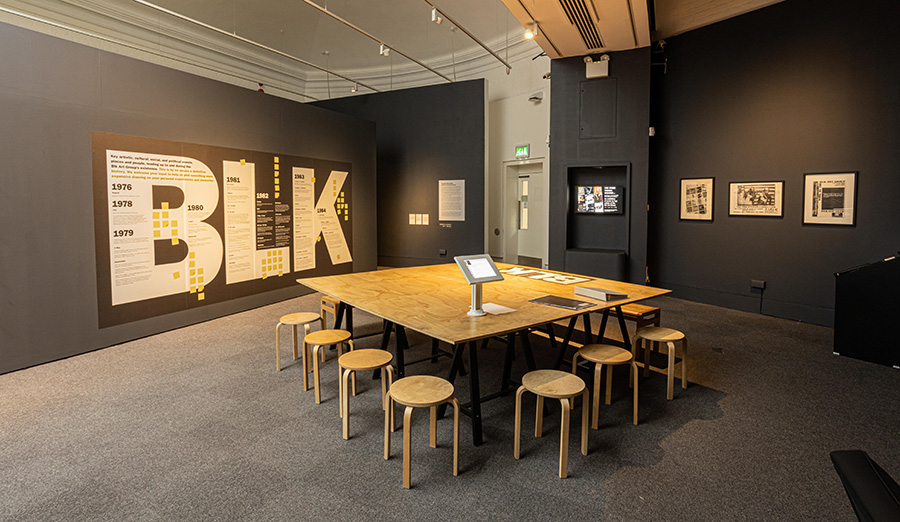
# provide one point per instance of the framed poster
(758, 198)
(696, 199)
(829, 199)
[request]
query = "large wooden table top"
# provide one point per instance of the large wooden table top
(434, 299)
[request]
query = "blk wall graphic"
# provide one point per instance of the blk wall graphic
(181, 225)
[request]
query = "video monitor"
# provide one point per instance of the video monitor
(600, 199)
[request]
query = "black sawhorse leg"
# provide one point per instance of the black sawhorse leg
(474, 407)
(561, 353)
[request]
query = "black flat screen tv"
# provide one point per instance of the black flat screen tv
(600, 199)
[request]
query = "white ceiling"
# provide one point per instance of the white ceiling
(301, 33)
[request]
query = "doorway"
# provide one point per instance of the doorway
(524, 240)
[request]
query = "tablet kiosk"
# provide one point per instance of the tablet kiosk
(478, 269)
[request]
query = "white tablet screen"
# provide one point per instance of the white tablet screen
(480, 268)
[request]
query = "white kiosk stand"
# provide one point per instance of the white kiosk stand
(478, 269)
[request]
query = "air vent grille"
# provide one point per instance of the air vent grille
(578, 15)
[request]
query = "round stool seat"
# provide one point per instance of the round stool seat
(660, 334)
(605, 354)
(554, 384)
(299, 318)
(421, 391)
(327, 337)
(368, 359)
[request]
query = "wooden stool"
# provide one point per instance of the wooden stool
(554, 384)
(329, 305)
(668, 336)
(295, 320)
(642, 315)
(317, 340)
(420, 391)
(362, 360)
(601, 354)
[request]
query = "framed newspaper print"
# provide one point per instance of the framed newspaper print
(696, 199)
(757, 198)
(829, 199)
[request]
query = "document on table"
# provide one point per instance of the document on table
(495, 309)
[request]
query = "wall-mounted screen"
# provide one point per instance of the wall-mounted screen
(597, 199)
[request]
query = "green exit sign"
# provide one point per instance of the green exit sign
(523, 151)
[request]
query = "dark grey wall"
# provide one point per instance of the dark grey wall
(594, 123)
(53, 93)
(802, 86)
(424, 135)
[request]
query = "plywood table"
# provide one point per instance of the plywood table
(433, 300)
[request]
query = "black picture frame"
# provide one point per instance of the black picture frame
(695, 202)
(829, 198)
(756, 198)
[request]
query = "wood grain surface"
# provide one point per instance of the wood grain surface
(434, 299)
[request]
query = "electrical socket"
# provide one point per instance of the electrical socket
(442, 251)
(758, 283)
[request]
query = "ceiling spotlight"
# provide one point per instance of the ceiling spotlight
(385, 50)
(531, 31)
(435, 16)
(355, 87)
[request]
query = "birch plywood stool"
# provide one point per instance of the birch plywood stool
(667, 337)
(317, 340)
(642, 315)
(604, 354)
(330, 305)
(295, 320)
(554, 384)
(362, 360)
(420, 391)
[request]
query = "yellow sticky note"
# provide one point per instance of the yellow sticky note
(174, 232)
(277, 194)
(265, 275)
(280, 273)
(176, 275)
(192, 263)
(193, 289)
(200, 288)
(156, 224)
(269, 253)
(276, 160)
(156, 233)
(191, 255)
(200, 279)
(174, 223)
(346, 218)
(165, 214)
(174, 240)
(165, 224)
(276, 175)
(201, 296)
(314, 180)
(193, 281)
(243, 161)
(338, 256)
(200, 271)
(193, 272)
(155, 215)
(342, 194)
(318, 239)
(165, 205)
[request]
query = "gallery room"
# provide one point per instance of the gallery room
(470, 259)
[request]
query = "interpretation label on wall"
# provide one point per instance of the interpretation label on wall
(181, 225)
(452, 200)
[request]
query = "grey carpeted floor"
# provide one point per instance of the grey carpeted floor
(195, 424)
